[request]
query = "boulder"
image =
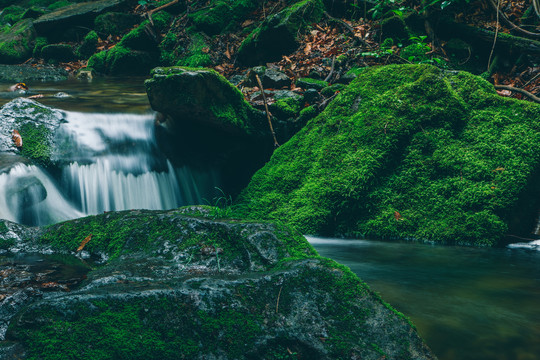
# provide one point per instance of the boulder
(58, 53)
(190, 284)
(122, 61)
(54, 25)
(114, 23)
(278, 33)
(409, 152)
(16, 43)
(201, 97)
(36, 124)
(29, 73)
(275, 79)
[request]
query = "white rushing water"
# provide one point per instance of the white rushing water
(109, 162)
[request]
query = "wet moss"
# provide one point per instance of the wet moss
(197, 54)
(309, 83)
(405, 152)
(36, 143)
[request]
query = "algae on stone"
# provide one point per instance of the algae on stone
(407, 151)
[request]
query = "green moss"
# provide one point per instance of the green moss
(415, 52)
(287, 108)
(332, 89)
(98, 62)
(309, 83)
(307, 114)
(59, 4)
(421, 155)
(3, 227)
(197, 53)
(40, 43)
(36, 143)
(222, 14)
(89, 44)
(11, 14)
(122, 61)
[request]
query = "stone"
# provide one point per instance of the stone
(36, 124)
(54, 24)
(114, 23)
(28, 73)
(58, 53)
(312, 96)
(122, 61)
(309, 83)
(201, 97)
(277, 34)
(189, 283)
(419, 142)
(275, 79)
(15, 43)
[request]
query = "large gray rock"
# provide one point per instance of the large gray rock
(188, 284)
(55, 24)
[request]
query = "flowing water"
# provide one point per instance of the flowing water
(467, 303)
(108, 155)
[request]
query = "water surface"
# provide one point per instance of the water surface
(467, 303)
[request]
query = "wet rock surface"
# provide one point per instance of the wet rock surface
(35, 123)
(22, 73)
(188, 284)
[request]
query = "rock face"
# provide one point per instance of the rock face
(36, 124)
(277, 35)
(54, 25)
(187, 284)
(408, 152)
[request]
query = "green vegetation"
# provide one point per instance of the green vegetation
(40, 43)
(405, 152)
(36, 143)
(309, 83)
(197, 53)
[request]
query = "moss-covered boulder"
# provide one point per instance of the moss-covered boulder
(114, 23)
(16, 42)
(202, 97)
(222, 15)
(122, 61)
(410, 152)
(187, 284)
(278, 33)
(55, 53)
(35, 123)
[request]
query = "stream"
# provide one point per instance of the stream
(467, 303)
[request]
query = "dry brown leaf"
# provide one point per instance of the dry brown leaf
(84, 242)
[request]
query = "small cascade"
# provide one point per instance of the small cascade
(107, 162)
(30, 196)
(115, 165)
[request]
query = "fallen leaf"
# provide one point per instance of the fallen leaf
(84, 242)
(17, 138)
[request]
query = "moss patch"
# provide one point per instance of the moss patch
(405, 152)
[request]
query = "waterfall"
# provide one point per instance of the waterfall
(107, 162)
(28, 195)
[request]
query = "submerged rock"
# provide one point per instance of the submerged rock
(188, 284)
(408, 151)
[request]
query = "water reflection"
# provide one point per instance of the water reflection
(467, 303)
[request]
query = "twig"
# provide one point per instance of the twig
(519, 237)
(162, 7)
(278, 295)
(495, 37)
(510, 23)
(521, 91)
(331, 69)
(325, 103)
(276, 144)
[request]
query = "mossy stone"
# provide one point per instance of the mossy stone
(309, 83)
(114, 23)
(123, 61)
(88, 45)
(16, 42)
(278, 33)
(409, 152)
(58, 53)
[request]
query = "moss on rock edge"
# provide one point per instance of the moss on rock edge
(406, 151)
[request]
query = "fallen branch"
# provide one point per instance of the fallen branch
(521, 91)
(276, 144)
(348, 28)
(331, 69)
(277, 302)
(162, 7)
